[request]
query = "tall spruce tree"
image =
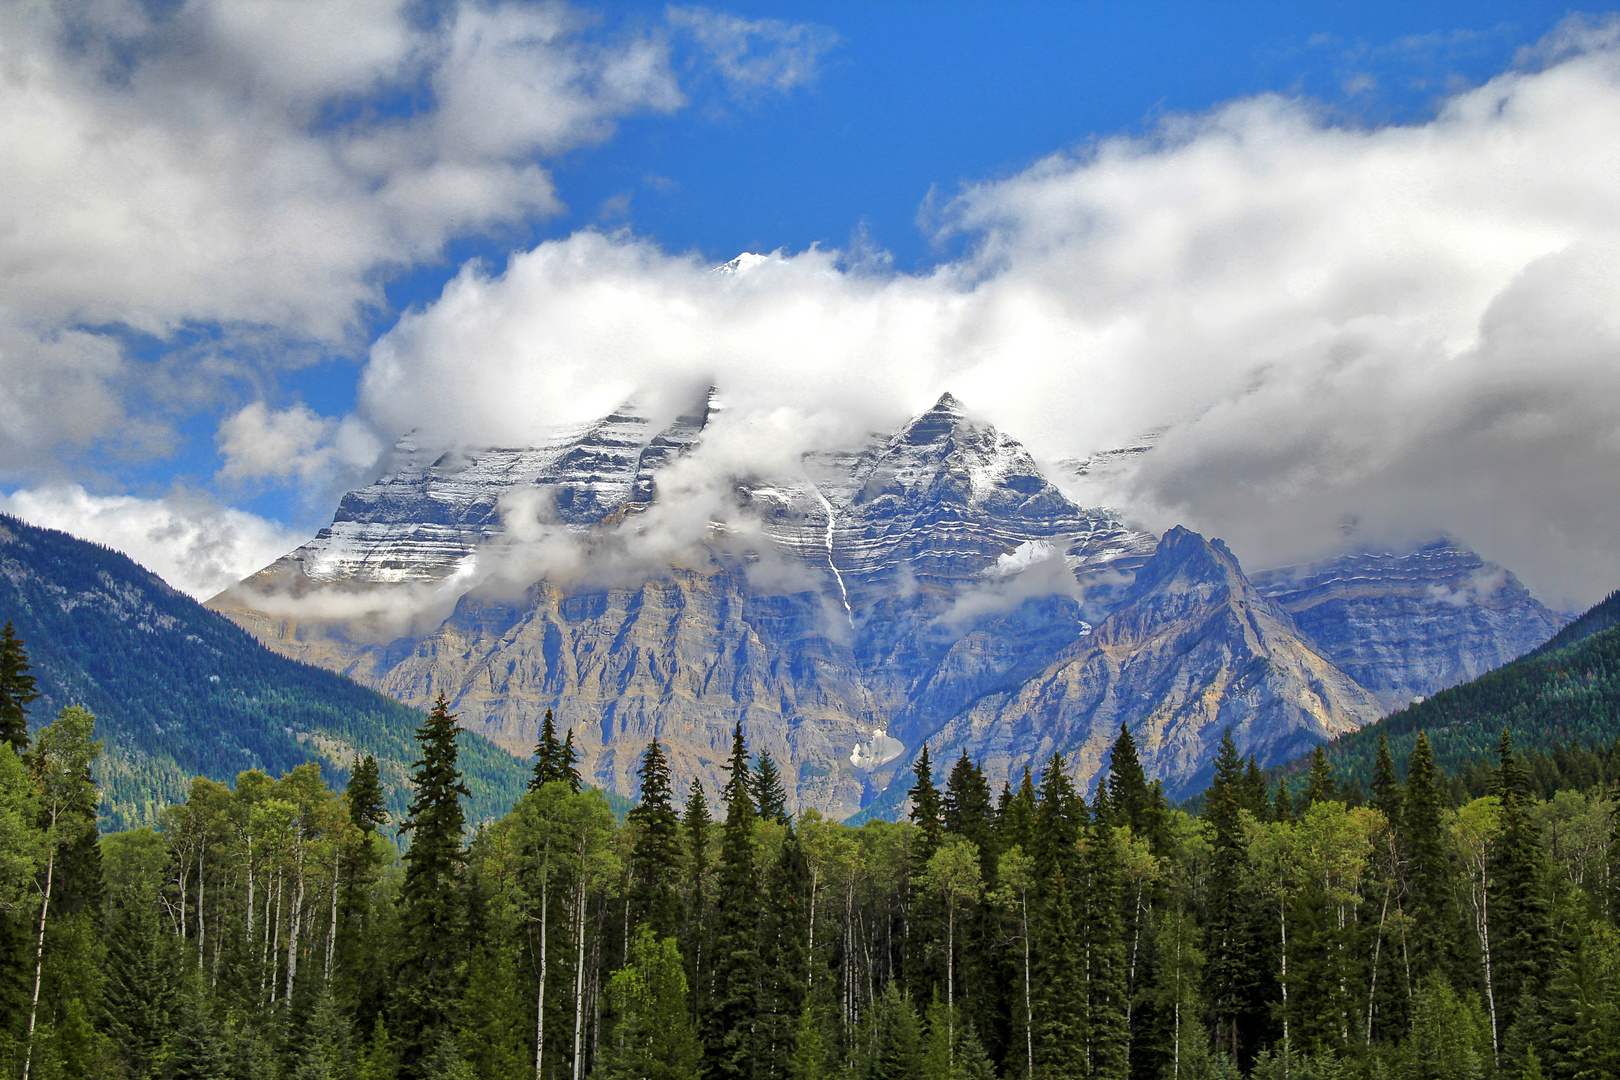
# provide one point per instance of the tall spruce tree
(18, 689)
(694, 935)
(1102, 935)
(925, 810)
(1387, 797)
(568, 764)
(1231, 966)
(729, 1028)
(548, 755)
(432, 909)
(1430, 881)
(1522, 953)
(784, 961)
(770, 801)
(655, 858)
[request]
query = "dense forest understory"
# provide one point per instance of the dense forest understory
(276, 928)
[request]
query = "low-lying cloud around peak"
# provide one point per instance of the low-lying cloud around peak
(1416, 327)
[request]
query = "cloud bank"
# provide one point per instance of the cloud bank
(246, 175)
(192, 542)
(1416, 328)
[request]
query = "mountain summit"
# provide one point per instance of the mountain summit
(928, 585)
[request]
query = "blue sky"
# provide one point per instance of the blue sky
(896, 136)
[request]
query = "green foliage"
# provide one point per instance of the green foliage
(651, 1037)
(180, 691)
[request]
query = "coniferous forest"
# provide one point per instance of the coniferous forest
(281, 929)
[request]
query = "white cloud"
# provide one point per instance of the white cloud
(1418, 325)
(257, 443)
(756, 54)
(193, 543)
(244, 166)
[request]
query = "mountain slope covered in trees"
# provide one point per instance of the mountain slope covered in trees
(180, 691)
(1565, 694)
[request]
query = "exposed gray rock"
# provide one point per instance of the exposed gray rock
(1408, 624)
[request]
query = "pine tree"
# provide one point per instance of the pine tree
(656, 855)
(1521, 953)
(1016, 823)
(1254, 790)
(548, 755)
(784, 959)
(1102, 933)
(925, 810)
(1060, 991)
(1430, 880)
(695, 826)
(729, 1043)
(769, 799)
(1231, 969)
(1321, 785)
(568, 764)
(1387, 795)
(17, 689)
(965, 809)
(1059, 817)
(809, 1060)
(432, 912)
(198, 1052)
(364, 795)
(1133, 801)
(1282, 807)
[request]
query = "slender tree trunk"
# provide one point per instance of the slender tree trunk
(295, 924)
(1378, 950)
(274, 927)
(1288, 1050)
(579, 969)
(810, 952)
(1029, 1019)
(540, 995)
(201, 849)
(331, 933)
(950, 981)
(39, 957)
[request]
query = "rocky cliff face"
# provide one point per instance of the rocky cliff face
(1408, 624)
(1192, 650)
(929, 585)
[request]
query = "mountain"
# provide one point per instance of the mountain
(844, 614)
(179, 691)
(1408, 624)
(1564, 694)
(1192, 650)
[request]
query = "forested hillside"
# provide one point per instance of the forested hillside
(180, 691)
(274, 930)
(1561, 702)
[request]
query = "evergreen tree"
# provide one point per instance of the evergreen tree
(17, 689)
(769, 799)
(1230, 970)
(568, 764)
(695, 826)
(1521, 953)
(809, 1049)
(1016, 823)
(655, 858)
(432, 911)
(1282, 807)
(1321, 785)
(197, 1053)
(925, 809)
(1059, 818)
(965, 809)
(364, 795)
(897, 1048)
(1102, 934)
(1060, 990)
(1133, 801)
(1254, 791)
(1387, 795)
(548, 756)
(728, 1035)
(1430, 879)
(783, 956)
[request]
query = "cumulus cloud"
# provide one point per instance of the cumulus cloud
(257, 443)
(237, 165)
(192, 542)
(1417, 326)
